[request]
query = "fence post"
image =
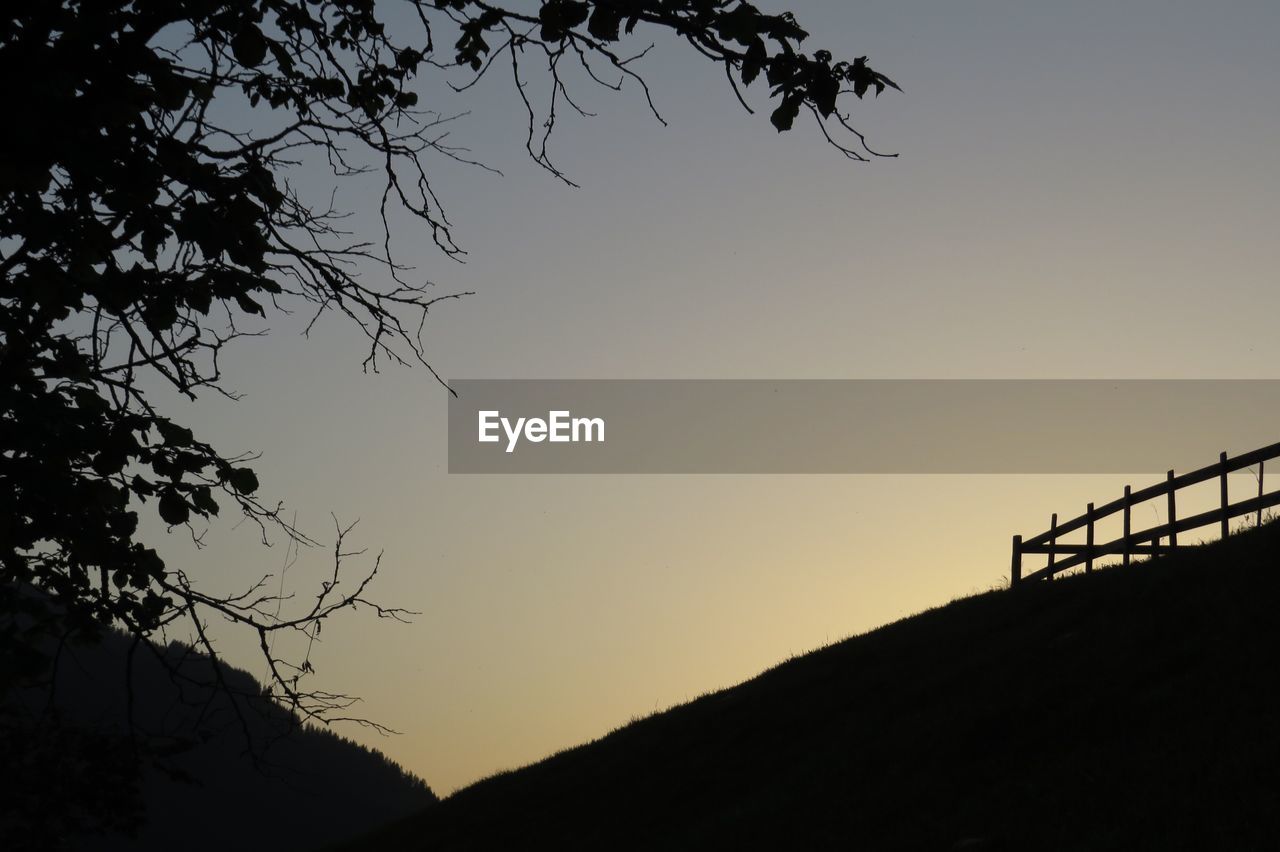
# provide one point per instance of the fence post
(1127, 491)
(1222, 479)
(1173, 513)
(1261, 468)
(1053, 542)
(1015, 573)
(1088, 541)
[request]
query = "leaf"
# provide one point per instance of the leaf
(282, 56)
(742, 24)
(108, 463)
(574, 13)
(863, 78)
(753, 61)
(785, 115)
(243, 479)
(559, 16)
(171, 91)
(178, 436)
(201, 300)
(88, 401)
(189, 462)
(249, 46)
(785, 26)
(604, 23)
(248, 305)
(823, 91)
(148, 561)
(204, 501)
(124, 523)
(153, 237)
(173, 509)
(141, 487)
(161, 312)
(408, 58)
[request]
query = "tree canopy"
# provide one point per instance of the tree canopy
(147, 216)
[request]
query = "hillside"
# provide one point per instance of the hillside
(197, 789)
(1129, 709)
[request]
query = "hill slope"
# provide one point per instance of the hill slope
(199, 790)
(1128, 709)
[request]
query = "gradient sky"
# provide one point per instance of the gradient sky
(1084, 190)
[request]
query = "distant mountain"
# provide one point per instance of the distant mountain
(1130, 709)
(199, 787)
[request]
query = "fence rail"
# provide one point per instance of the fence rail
(1149, 541)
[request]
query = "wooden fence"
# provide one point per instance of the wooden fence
(1158, 539)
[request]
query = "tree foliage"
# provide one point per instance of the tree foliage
(148, 219)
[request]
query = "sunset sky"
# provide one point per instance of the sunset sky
(1083, 190)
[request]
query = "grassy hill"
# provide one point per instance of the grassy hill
(1129, 709)
(193, 785)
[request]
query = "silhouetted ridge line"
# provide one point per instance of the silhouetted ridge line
(200, 784)
(1118, 710)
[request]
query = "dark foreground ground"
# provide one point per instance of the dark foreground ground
(73, 776)
(1129, 709)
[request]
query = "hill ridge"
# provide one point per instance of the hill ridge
(194, 787)
(1082, 713)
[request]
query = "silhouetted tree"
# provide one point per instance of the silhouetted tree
(145, 214)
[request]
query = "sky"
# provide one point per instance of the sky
(1082, 190)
